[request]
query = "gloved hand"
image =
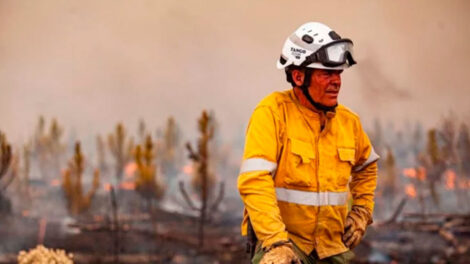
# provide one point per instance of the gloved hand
(355, 227)
(281, 254)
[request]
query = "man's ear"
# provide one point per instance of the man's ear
(298, 77)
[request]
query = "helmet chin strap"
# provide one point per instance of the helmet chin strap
(304, 88)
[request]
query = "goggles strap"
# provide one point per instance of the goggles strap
(304, 88)
(310, 59)
(350, 59)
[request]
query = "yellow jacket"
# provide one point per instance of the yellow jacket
(294, 176)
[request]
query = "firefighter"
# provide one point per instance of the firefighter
(304, 153)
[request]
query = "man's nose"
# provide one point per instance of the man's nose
(336, 78)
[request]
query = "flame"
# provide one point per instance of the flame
(107, 187)
(130, 169)
(188, 169)
(410, 190)
(422, 173)
(450, 177)
(464, 184)
(55, 182)
(25, 213)
(415, 173)
(127, 186)
(410, 172)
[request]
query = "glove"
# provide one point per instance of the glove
(355, 227)
(280, 254)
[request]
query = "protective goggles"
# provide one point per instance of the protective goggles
(333, 54)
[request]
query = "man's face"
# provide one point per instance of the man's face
(324, 86)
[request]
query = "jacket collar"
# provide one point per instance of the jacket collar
(302, 100)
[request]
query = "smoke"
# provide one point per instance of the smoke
(92, 64)
(378, 86)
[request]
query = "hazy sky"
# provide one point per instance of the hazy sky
(94, 63)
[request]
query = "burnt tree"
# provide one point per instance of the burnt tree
(5, 179)
(203, 181)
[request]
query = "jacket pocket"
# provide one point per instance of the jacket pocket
(347, 159)
(301, 159)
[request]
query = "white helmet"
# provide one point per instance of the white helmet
(315, 45)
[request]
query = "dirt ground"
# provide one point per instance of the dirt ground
(144, 236)
(161, 236)
(145, 242)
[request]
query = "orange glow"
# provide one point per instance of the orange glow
(418, 173)
(25, 213)
(410, 190)
(188, 169)
(409, 172)
(450, 177)
(107, 187)
(464, 184)
(55, 182)
(422, 173)
(130, 169)
(127, 186)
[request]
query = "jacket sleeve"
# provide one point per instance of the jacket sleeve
(255, 181)
(364, 173)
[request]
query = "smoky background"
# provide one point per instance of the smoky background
(92, 64)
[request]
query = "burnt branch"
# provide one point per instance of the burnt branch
(192, 155)
(7, 181)
(5, 155)
(397, 211)
(219, 198)
(186, 196)
(5, 161)
(115, 225)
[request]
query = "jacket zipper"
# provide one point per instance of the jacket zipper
(317, 160)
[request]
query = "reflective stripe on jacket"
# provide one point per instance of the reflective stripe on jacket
(294, 177)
